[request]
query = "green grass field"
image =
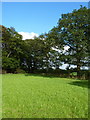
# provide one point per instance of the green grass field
(0, 96)
(34, 96)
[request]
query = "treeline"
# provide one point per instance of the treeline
(47, 52)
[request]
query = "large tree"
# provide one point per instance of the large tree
(11, 49)
(73, 29)
(35, 52)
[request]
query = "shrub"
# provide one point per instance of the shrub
(87, 75)
(3, 72)
(18, 70)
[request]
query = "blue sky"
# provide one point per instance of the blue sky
(37, 17)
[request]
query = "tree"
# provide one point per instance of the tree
(72, 29)
(35, 52)
(11, 49)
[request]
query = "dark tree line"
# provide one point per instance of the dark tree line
(47, 51)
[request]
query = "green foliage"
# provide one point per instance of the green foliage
(11, 49)
(18, 70)
(10, 64)
(72, 31)
(35, 52)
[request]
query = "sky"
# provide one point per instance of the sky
(35, 18)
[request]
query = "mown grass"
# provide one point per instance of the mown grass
(0, 96)
(33, 96)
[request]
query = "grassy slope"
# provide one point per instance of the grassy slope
(43, 97)
(0, 96)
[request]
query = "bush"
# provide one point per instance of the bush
(18, 70)
(87, 75)
(0, 71)
(4, 72)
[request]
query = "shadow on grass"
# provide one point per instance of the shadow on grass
(47, 75)
(81, 83)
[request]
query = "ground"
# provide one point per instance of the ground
(35, 96)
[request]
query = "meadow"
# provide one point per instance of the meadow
(35, 96)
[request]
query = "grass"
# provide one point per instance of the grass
(34, 96)
(0, 96)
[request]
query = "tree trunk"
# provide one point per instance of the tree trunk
(78, 69)
(9, 54)
(78, 60)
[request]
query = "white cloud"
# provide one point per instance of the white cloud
(65, 49)
(27, 35)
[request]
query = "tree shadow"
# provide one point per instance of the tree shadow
(40, 75)
(45, 75)
(81, 83)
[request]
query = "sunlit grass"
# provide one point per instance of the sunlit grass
(0, 96)
(30, 96)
